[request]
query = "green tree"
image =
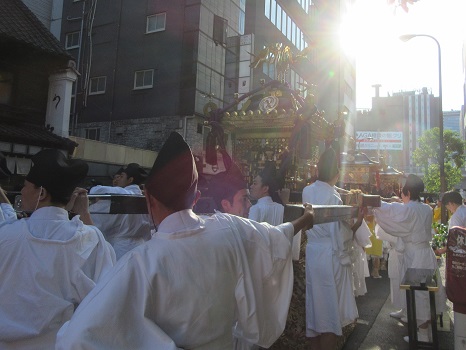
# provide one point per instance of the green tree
(428, 156)
(429, 148)
(432, 177)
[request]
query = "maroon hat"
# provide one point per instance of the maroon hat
(173, 177)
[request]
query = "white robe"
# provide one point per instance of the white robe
(458, 218)
(411, 223)
(361, 240)
(193, 281)
(266, 210)
(330, 302)
(48, 265)
(394, 261)
(123, 231)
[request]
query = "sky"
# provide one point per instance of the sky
(371, 34)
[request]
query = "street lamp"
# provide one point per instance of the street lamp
(443, 185)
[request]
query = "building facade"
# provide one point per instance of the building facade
(36, 79)
(148, 68)
(451, 121)
(49, 12)
(392, 128)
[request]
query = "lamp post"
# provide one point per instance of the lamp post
(443, 185)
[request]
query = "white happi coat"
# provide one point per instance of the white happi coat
(458, 218)
(48, 265)
(193, 281)
(123, 231)
(411, 223)
(330, 302)
(266, 210)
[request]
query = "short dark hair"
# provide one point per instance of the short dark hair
(327, 166)
(414, 185)
(225, 187)
(269, 178)
(57, 197)
(58, 174)
(452, 197)
(135, 171)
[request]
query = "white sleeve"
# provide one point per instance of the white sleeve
(362, 235)
(455, 220)
(384, 236)
(109, 190)
(7, 213)
(267, 252)
(395, 219)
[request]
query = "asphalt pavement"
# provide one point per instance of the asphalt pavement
(376, 330)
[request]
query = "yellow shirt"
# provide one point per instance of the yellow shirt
(376, 249)
(436, 217)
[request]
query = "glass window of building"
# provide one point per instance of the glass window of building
(144, 79)
(72, 40)
(273, 12)
(279, 17)
(97, 85)
(283, 22)
(93, 134)
(267, 9)
(304, 4)
(156, 23)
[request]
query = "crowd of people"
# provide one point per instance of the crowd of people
(173, 279)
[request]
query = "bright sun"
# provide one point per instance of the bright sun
(367, 33)
(370, 34)
(369, 25)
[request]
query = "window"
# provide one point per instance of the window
(93, 134)
(279, 17)
(273, 13)
(267, 9)
(283, 22)
(242, 20)
(219, 33)
(72, 40)
(156, 23)
(97, 85)
(144, 79)
(269, 69)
